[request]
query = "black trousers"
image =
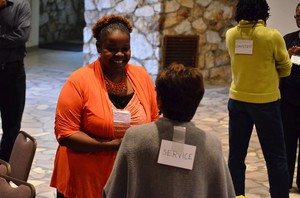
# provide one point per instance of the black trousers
(12, 102)
(59, 195)
(291, 127)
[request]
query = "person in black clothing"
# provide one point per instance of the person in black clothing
(15, 24)
(290, 100)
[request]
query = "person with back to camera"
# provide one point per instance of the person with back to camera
(290, 102)
(96, 105)
(258, 59)
(141, 170)
(15, 26)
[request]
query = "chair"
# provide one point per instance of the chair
(5, 168)
(18, 188)
(21, 157)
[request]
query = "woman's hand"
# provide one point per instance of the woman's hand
(116, 142)
(293, 50)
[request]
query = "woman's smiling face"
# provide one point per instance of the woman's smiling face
(115, 51)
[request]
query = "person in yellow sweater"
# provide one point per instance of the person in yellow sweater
(258, 59)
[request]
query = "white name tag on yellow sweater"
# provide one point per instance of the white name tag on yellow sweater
(244, 47)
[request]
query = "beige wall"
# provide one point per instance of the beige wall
(282, 15)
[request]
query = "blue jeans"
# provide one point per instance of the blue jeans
(267, 120)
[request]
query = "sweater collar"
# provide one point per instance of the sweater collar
(246, 23)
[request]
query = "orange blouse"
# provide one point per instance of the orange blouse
(84, 105)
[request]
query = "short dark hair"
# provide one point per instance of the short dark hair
(180, 90)
(252, 10)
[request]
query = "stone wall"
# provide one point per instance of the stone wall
(209, 19)
(152, 19)
(61, 20)
(145, 37)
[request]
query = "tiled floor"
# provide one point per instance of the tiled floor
(46, 72)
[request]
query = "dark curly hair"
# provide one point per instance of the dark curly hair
(110, 23)
(252, 10)
(179, 90)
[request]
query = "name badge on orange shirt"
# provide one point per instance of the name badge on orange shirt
(244, 47)
(121, 119)
(121, 116)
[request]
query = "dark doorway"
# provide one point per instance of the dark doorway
(61, 25)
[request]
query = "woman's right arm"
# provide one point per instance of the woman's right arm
(68, 119)
(81, 142)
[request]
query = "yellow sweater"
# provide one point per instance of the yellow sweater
(255, 76)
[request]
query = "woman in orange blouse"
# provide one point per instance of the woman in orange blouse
(96, 105)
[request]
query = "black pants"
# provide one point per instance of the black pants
(291, 127)
(267, 119)
(59, 195)
(12, 102)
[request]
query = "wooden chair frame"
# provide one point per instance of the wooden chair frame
(18, 183)
(20, 163)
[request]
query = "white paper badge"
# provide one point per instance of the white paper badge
(295, 59)
(176, 154)
(121, 116)
(244, 46)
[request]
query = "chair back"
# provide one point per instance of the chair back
(5, 168)
(22, 156)
(13, 188)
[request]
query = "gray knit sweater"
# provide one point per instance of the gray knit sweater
(136, 173)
